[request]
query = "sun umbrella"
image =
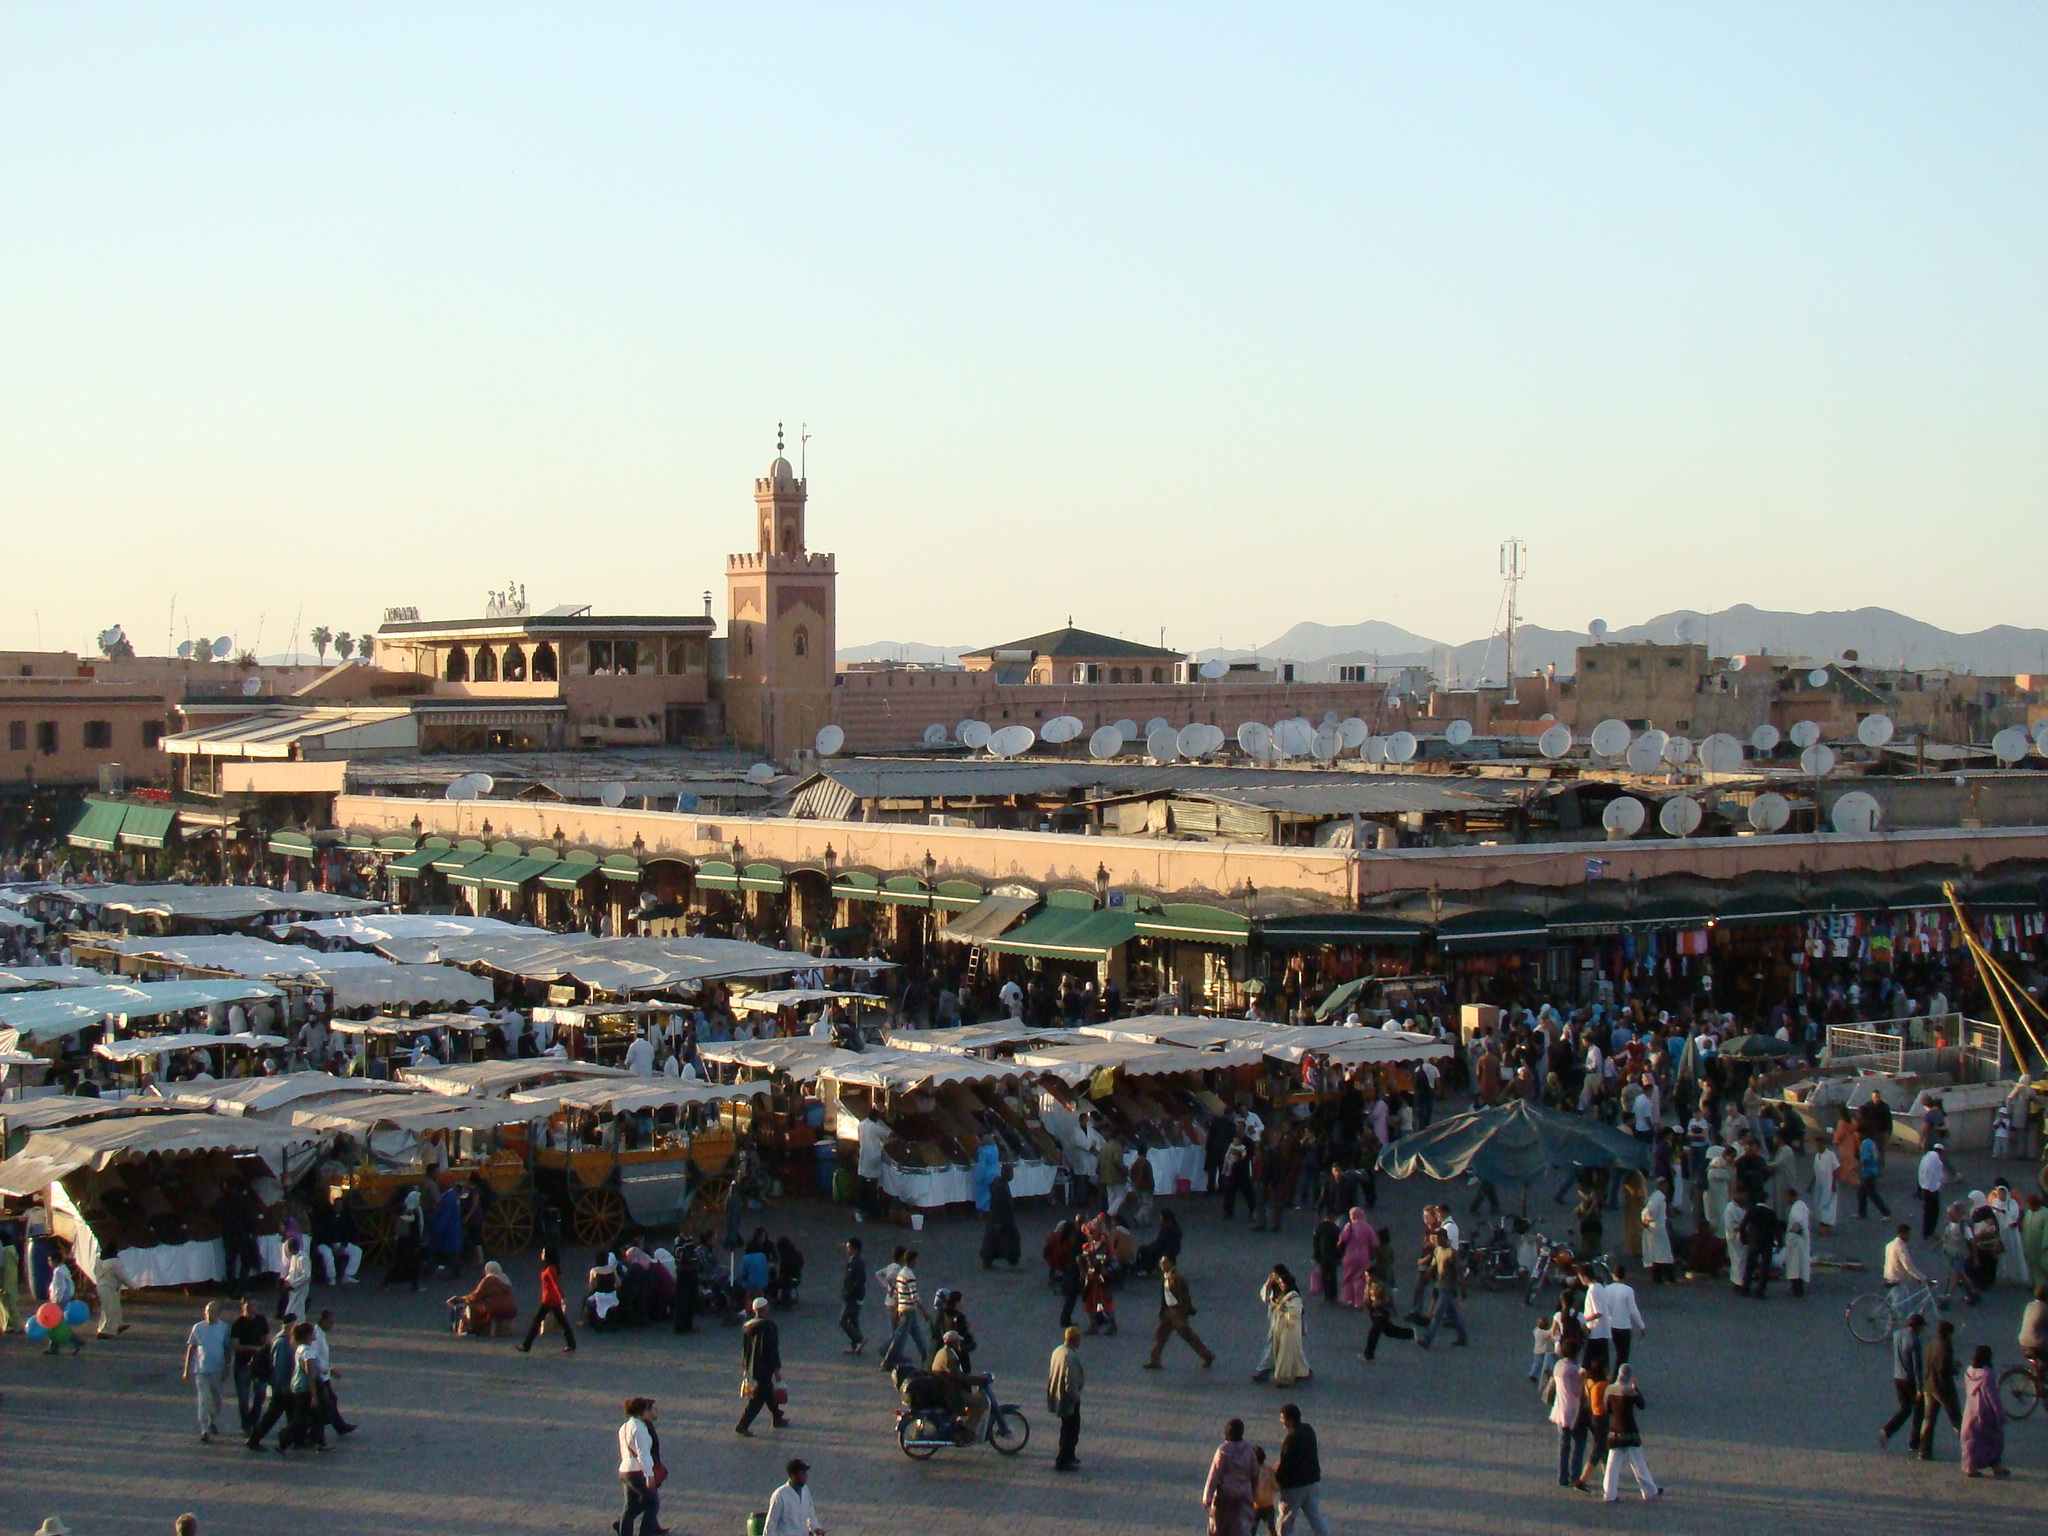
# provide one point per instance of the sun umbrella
(1334, 1003)
(1512, 1144)
(1755, 1048)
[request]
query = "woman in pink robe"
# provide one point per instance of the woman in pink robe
(1358, 1244)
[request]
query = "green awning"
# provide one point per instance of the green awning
(854, 885)
(1195, 923)
(1672, 912)
(515, 874)
(1313, 930)
(478, 871)
(717, 875)
(1761, 907)
(450, 860)
(292, 845)
(402, 842)
(360, 840)
(1586, 919)
(1474, 931)
(763, 877)
(570, 871)
(905, 891)
(1070, 933)
(622, 867)
(1080, 901)
(957, 895)
(100, 826)
(2001, 896)
(408, 865)
(146, 826)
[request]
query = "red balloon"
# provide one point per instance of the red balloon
(49, 1314)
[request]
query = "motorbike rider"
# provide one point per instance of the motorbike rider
(959, 1388)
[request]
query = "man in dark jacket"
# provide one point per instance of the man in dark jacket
(999, 1238)
(760, 1366)
(1909, 1365)
(1938, 1387)
(1298, 1474)
(1176, 1306)
(1759, 1231)
(853, 1290)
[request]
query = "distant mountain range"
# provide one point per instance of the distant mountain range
(1880, 638)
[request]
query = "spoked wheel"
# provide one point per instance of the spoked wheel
(2020, 1390)
(600, 1216)
(906, 1436)
(1009, 1432)
(378, 1230)
(1870, 1317)
(508, 1226)
(710, 1195)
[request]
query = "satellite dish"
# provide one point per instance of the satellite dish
(1764, 740)
(221, 647)
(1061, 729)
(1458, 732)
(1401, 747)
(1680, 816)
(1646, 752)
(1874, 730)
(1329, 718)
(1374, 750)
(1352, 732)
(1624, 814)
(1737, 663)
(1128, 729)
(2041, 735)
(1324, 744)
(761, 773)
(1721, 753)
(1555, 742)
(1598, 630)
(975, 733)
(1769, 813)
(1162, 745)
(1610, 738)
(1156, 723)
(1805, 733)
(1012, 741)
(1294, 738)
(1255, 739)
(251, 686)
(1857, 812)
(1678, 750)
(459, 788)
(935, 735)
(1214, 668)
(830, 739)
(184, 650)
(1546, 717)
(1817, 761)
(614, 795)
(2010, 744)
(1105, 743)
(484, 783)
(1216, 737)
(1817, 678)
(1192, 741)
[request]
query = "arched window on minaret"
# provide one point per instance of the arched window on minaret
(802, 641)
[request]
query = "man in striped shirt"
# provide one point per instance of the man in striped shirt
(909, 1342)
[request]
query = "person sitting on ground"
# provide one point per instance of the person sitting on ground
(789, 1273)
(601, 1303)
(483, 1309)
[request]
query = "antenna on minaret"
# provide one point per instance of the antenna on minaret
(778, 438)
(803, 450)
(1513, 555)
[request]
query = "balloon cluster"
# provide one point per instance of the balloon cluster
(55, 1323)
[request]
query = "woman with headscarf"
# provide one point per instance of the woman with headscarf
(1799, 1246)
(444, 1232)
(1983, 1431)
(1620, 1403)
(988, 1162)
(1324, 1253)
(1357, 1244)
(2006, 1208)
(1233, 1476)
(1827, 1164)
(601, 1301)
(490, 1304)
(408, 1234)
(999, 1236)
(1284, 1329)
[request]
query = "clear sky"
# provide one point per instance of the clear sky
(1213, 319)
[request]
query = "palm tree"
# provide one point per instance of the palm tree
(322, 637)
(345, 645)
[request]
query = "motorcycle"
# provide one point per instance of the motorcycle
(1500, 1254)
(924, 1427)
(1555, 1262)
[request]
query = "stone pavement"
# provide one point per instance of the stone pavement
(1762, 1417)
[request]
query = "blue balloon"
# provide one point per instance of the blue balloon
(77, 1312)
(36, 1330)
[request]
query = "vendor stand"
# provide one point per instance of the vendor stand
(796, 1009)
(142, 1055)
(452, 1038)
(601, 1032)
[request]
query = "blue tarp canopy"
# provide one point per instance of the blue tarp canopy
(1512, 1144)
(46, 1015)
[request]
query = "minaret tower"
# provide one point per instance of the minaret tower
(780, 604)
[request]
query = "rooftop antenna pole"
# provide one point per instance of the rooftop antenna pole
(1513, 556)
(803, 450)
(171, 629)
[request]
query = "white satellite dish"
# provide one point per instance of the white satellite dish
(2041, 735)
(1105, 743)
(614, 795)
(1061, 729)
(1012, 741)
(1294, 737)
(459, 788)
(1646, 752)
(2010, 744)
(1323, 745)
(484, 783)
(761, 773)
(1680, 816)
(1597, 629)
(1804, 733)
(1255, 739)
(252, 686)
(1546, 717)
(184, 650)
(221, 647)
(1610, 738)
(1555, 742)
(1458, 732)
(1817, 678)
(1214, 668)
(1764, 740)
(1857, 812)
(1192, 741)
(1162, 745)
(1769, 812)
(1401, 747)
(1128, 728)
(1721, 753)
(1156, 723)
(1817, 761)
(1374, 750)
(935, 735)
(1678, 751)
(1737, 663)
(830, 739)
(1216, 738)
(1874, 730)
(975, 733)
(1624, 814)
(1352, 732)
(1329, 719)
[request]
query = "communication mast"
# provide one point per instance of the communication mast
(1514, 557)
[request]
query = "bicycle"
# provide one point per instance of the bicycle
(2020, 1387)
(1875, 1315)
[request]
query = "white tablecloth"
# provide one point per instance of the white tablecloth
(1171, 1164)
(176, 1263)
(927, 1188)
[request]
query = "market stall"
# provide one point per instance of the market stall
(940, 1108)
(451, 1037)
(1151, 1096)
(603, 1031)
(145, 1054)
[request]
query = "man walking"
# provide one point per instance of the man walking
(1624, 1316)
(1908, 1364)
(1063, 1382)
(790, 1510)
(1298, 1475)
(1444, 1275)
(853, 1290)
(1934, 1173)
(250, 1336)
(206, 1367)
(637, 1465)
(761, 1368)
(908, 1341)
(1176, 1306)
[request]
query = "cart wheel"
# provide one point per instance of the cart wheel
(508, 1226)
(709, 1196)
(379, 1234)
(600, 1217)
